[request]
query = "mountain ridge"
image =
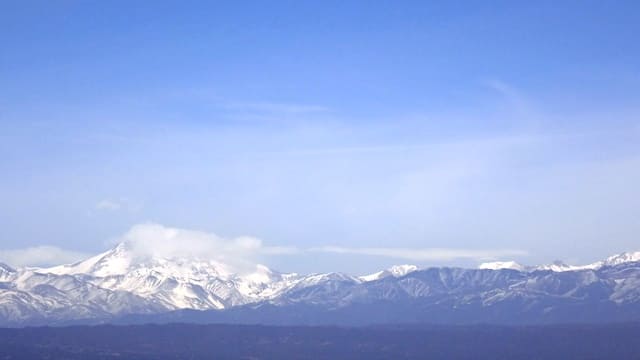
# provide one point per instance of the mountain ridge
(120, 283)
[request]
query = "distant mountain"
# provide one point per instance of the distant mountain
(120, 285)
(559, 266)
(177, 283)
(498, 265)
(395, 271)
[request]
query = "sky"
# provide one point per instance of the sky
(336, 136)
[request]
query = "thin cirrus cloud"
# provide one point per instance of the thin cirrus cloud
(424, 254)
(270, 107)
(108, 205)
(119, 204)
(158, 240)
(240, 253)
(40, 256)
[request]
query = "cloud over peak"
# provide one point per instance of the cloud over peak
(156, 240)
(152, 240)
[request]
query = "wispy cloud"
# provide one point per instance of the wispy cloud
(271, 107)
(158, 240)
(117, 205)
(239, 253)
(108, 205)
(511, 94)
(40, 256)
(423, 254)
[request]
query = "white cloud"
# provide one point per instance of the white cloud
(109, 205)
(158, 240)
(155, 240)
(40, 256)
(120, 204)
(425, 254)
(277, 107)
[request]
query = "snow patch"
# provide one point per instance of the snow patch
(497, 265)
(395, 271)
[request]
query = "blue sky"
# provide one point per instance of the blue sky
(343, 130)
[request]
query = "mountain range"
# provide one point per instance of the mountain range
(122, 286)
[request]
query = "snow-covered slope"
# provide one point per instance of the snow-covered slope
(120, 282)
(618, 259)
(497, 265)
(178, 283)
(6, 272)
(559, 266)
(395, 271)
(31, 295)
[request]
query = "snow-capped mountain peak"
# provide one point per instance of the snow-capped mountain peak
(112, 262)
(401, 270)
(622, 258)
(177, 282)
(125, 281)
(122, 260)
(395, 271)
(560, 266)
(497, 265)
(625, 257)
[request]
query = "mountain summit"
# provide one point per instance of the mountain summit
(123, 282)
(395, 271)
(560, 266)
(177, 282)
